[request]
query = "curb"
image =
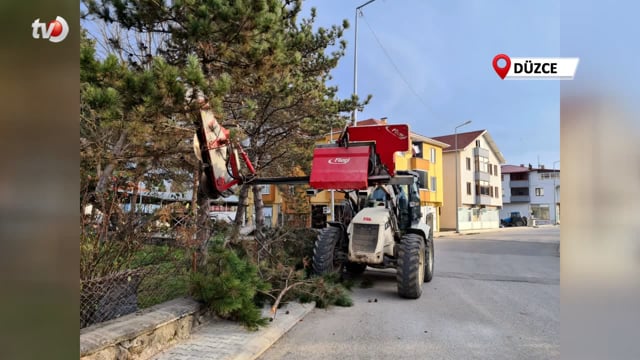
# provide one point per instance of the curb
(263, 339)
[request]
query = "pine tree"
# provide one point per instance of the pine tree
(276, 68)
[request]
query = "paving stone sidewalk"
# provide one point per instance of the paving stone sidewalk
(228, 340)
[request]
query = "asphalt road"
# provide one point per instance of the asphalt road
(495, 295)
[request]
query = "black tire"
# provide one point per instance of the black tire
(326, 257)
(519, 223)
(410, 270)
(429, 263)
(355, 268)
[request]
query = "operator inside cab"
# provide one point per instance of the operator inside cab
(378, 197)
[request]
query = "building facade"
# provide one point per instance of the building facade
(534, 192)
(472, 177)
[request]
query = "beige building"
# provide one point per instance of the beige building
(478, 179)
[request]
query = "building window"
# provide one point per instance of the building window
(433, 155)
(417, 149)
(483, 188)
(482, 164)
(477, 143)
(468, 163)
(496, 193)
(490, 169)
(519, 176)
(495, 170)
(539, 191)
(468, 188)
(265, 190)
(544, 176)
(522, 191)
(491, 191)
(434, 183)
(423, 178)
(540, 212)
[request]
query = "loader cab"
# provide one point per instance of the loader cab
(408, 204)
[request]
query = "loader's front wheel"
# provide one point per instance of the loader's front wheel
(327, 256)
(411, 266)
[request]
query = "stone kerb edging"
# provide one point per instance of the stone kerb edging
(143, 334)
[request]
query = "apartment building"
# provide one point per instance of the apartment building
(475, 167)
(534, 192)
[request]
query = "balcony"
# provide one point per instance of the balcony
(519, 183)
(520, 198)
(419, 164)
(477, 151)
(481, 176)
(483, 200)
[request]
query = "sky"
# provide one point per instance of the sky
(438, 72)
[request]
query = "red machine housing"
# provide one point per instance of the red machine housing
(347, 167)
(389, 139)
(340, 168)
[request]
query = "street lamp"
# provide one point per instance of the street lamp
(555, 204)
(355, 61)
(455, 132)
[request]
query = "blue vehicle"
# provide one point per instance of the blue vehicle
(514, 220)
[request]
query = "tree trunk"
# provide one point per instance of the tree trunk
(243, 200)
(200, 213)
(259, 207)
(105, 176)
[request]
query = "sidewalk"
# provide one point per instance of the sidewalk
(229, 340)
(451, 233)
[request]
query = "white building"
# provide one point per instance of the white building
(478, 181)
(531, 191)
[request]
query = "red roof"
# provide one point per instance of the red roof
(464, 139)
(370, 122)
(510, 169)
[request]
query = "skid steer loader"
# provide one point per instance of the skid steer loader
(381, 224)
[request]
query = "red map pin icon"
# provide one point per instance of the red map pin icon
(501, 71)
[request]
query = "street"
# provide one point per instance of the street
(495, 295)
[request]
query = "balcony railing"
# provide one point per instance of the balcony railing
(481, 176)
(483, 200)
(519, 183)
(477, 151)
(520, 198)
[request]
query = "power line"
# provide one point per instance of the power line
(395, 67)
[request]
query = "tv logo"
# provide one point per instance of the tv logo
(56, 30)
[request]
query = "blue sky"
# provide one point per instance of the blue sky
(444, 50)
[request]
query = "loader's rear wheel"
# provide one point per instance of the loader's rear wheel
(327, 257)
(411, 266)
(429, 257)
(355, 268)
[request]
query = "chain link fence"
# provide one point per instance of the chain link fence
(131, 261)
(124, 292)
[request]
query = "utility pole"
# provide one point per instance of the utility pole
(455, 132)
(354, 115)
(555, 204)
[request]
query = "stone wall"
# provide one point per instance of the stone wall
(141, 335)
